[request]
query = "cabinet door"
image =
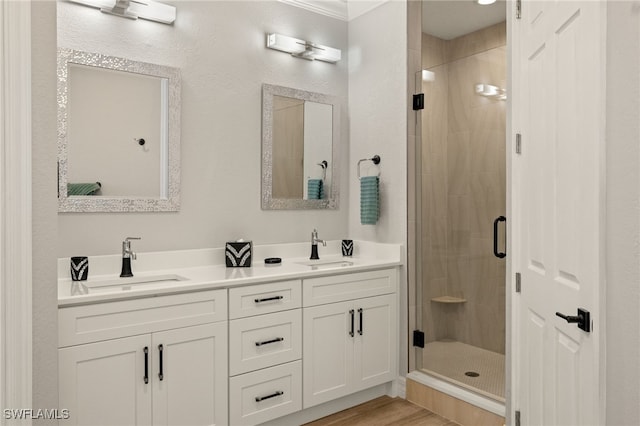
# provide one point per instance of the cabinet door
(103, 383)
(327, 352)
(193, 386)
(375, 341)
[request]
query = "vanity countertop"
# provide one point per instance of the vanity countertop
(196, 270)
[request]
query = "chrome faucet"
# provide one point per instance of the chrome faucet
(314, 244)
(127, 255)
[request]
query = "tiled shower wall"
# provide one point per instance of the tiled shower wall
(463, 188)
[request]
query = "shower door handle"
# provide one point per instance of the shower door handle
(497, 253)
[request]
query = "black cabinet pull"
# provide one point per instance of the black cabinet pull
(497, 253)
(352, 313)
(266, 342)
(273, 395)
(146, 365)
(360, 315)
(160, 352)
(268, 299)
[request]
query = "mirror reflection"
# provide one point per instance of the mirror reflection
(302, 138)
(299, 139)
(118, 134)
(101, 135)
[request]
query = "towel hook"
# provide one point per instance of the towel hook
(375, 159)
(324, 166)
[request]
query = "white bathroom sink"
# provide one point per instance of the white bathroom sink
(148, 279)
(326, 264)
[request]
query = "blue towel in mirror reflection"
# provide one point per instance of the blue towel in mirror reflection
(315, 189)
(369, 200)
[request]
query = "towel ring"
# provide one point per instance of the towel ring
(375, 159)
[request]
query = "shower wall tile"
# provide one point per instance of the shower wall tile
(458, 212)
(458, 163)
(414, 23)
(463, 160)
(458, 275)
(434, 51)
(486, 202)
(482, 262)
(487, 336)
(436, 248)
(435, 113)
(478, 41)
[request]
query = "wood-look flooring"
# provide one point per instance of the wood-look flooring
(384, 411)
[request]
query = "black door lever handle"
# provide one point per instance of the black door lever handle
(583, 319)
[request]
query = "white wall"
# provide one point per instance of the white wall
(623, 214)
(220, 49)
(378, 125)
(44, 205)
(378, 117)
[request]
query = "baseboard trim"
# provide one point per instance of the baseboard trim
(450, 407)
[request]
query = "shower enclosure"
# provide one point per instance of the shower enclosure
(461, 283)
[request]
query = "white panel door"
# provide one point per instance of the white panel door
(104, 383)
(192, 389)
(558, 209)
(327, 350)
(375, 341)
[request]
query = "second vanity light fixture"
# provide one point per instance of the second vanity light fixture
(133, 9)
(303, 49)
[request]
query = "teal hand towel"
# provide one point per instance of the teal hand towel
(315, 189)
(369, 200)
(83, 188)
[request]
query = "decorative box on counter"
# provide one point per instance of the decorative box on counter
(238, 253)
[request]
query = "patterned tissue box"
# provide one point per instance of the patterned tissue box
(238, 254)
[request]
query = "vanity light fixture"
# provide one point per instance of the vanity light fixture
(133, 9)
(485, 2)
(303, 49)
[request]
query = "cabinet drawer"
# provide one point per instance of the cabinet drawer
(264, 340)
(103, 321)
(265, 394)
(264, 298)
(337, 288)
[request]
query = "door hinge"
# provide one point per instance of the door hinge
(518, 282)
(517, 418)
(418, 101)
(418, 338)
(518, 143)
(518, 9)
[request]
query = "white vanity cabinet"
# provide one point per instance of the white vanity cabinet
(158, 360)
(265, 351)
(350, 334)
(243, 353)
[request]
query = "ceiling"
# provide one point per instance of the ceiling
(448, 19)
(444, 19)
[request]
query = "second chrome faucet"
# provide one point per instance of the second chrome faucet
(127, 255)
(314, 244)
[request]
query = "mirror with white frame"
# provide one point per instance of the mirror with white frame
(300, 132)
(118, 134)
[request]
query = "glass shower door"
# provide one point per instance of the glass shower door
(463, 190)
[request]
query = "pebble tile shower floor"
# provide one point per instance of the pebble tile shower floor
(459, 362)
